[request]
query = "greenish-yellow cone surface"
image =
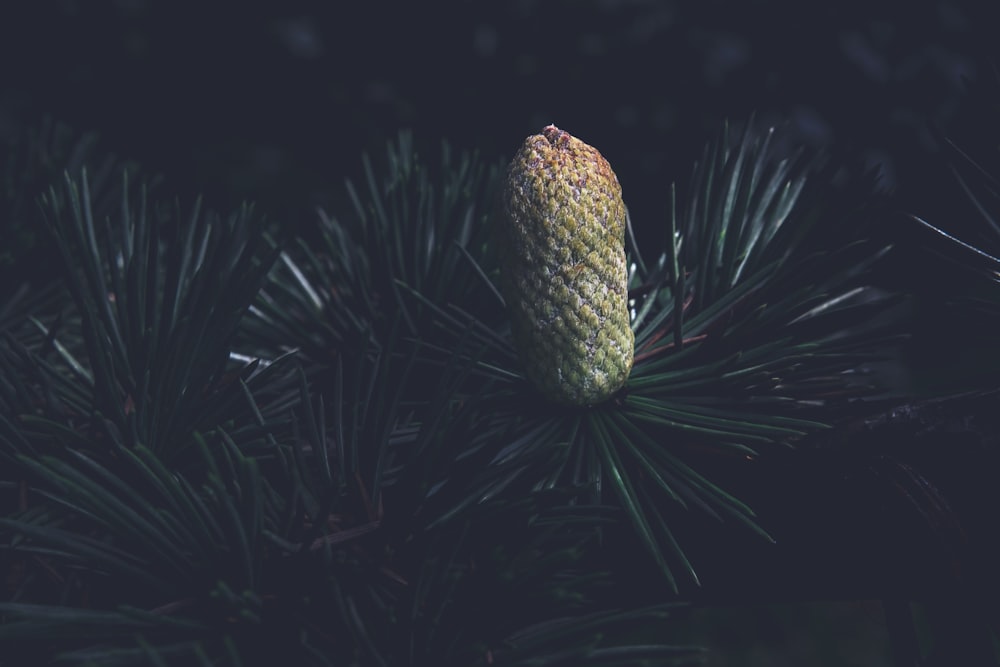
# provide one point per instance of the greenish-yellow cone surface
(561, 238)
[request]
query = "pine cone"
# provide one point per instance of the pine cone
(561, 238)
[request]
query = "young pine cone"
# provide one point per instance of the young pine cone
(561, 239)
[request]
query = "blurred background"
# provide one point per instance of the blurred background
(276, 103)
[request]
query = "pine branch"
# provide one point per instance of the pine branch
(728, 358)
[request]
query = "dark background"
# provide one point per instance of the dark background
(275, 102)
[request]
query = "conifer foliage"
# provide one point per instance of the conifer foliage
(224, 445)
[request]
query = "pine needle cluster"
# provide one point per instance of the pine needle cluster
(221, 444)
